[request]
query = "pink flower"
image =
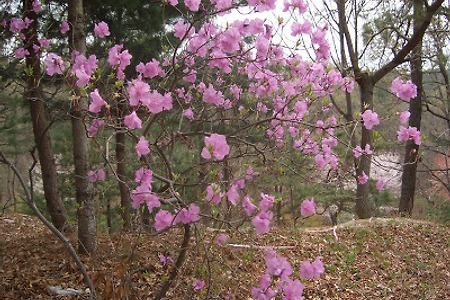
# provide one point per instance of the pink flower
(210, 95)
(379, 185)
(308, 207)
(262, 221)
(132, 121)
(405, 91)
(363, 178)
(95, 126)
(16, 25)
(266, 202)
(404, 116)
(293, 290)
(44, 42)
(142, 147)
(163, 220)
(64, 27)
(193, 5)
(54, 64)
(83, 68)
(213, 193)
(181, 29)
(97, 102)
(312, 270)
(150, 69)
(358, 151)
(189, 114)
(21, 53)
(198, 284)
(216, 145)
(143, 194)
(156, 102)
(101, 30)
(165, 259)
(404, 134)
(248, 206)
(222, 240)
(94, 176)
(143, 175)
(37, 7)
(232, 195)
(189, 215)
(370, 119)
(101, 175)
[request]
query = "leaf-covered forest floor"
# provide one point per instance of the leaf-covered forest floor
(377, 259)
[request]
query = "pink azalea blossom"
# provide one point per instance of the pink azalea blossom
(44, 42)
(101, 175)
(143, 175)
(94, 176)
(189, 215)
(379, 185)
(262, 221)
(248, 206)
(198, 284)
(370, 119)
(95, 126)
(132, 121)
(142, 147)
(54, 64)
(189, 114)
(64, 27)
(308, 207)
(37, 7)
(165, 259)
(192, 5)
(16, 25)
(312, 270)
(213, 193)
(363, 178)
(404, 116)
(97, 102)
(293, 290)
(150, 69)
(404, 90)
(222, 240)
(404, 134)
(101, 30)
(21, 53)
(163, 220)
(215, 146)
(266, 202)
(232, 195)
(143, 194)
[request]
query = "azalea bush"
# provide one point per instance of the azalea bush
(206, 116)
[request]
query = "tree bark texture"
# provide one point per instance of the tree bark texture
(364, 207)
(409, 175)
(121, 174)
(87, 231)
(41, 124)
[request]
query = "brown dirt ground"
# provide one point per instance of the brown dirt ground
(383, 259)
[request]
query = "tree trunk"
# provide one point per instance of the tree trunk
(410, 161)
(364, 208)
(87, 231)
(41, 125)
(121, 174)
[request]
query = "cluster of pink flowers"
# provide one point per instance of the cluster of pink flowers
(358, 151)
(215, 146)
(404, 90)
(94, 176)
(277, 279)
(410, 133)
